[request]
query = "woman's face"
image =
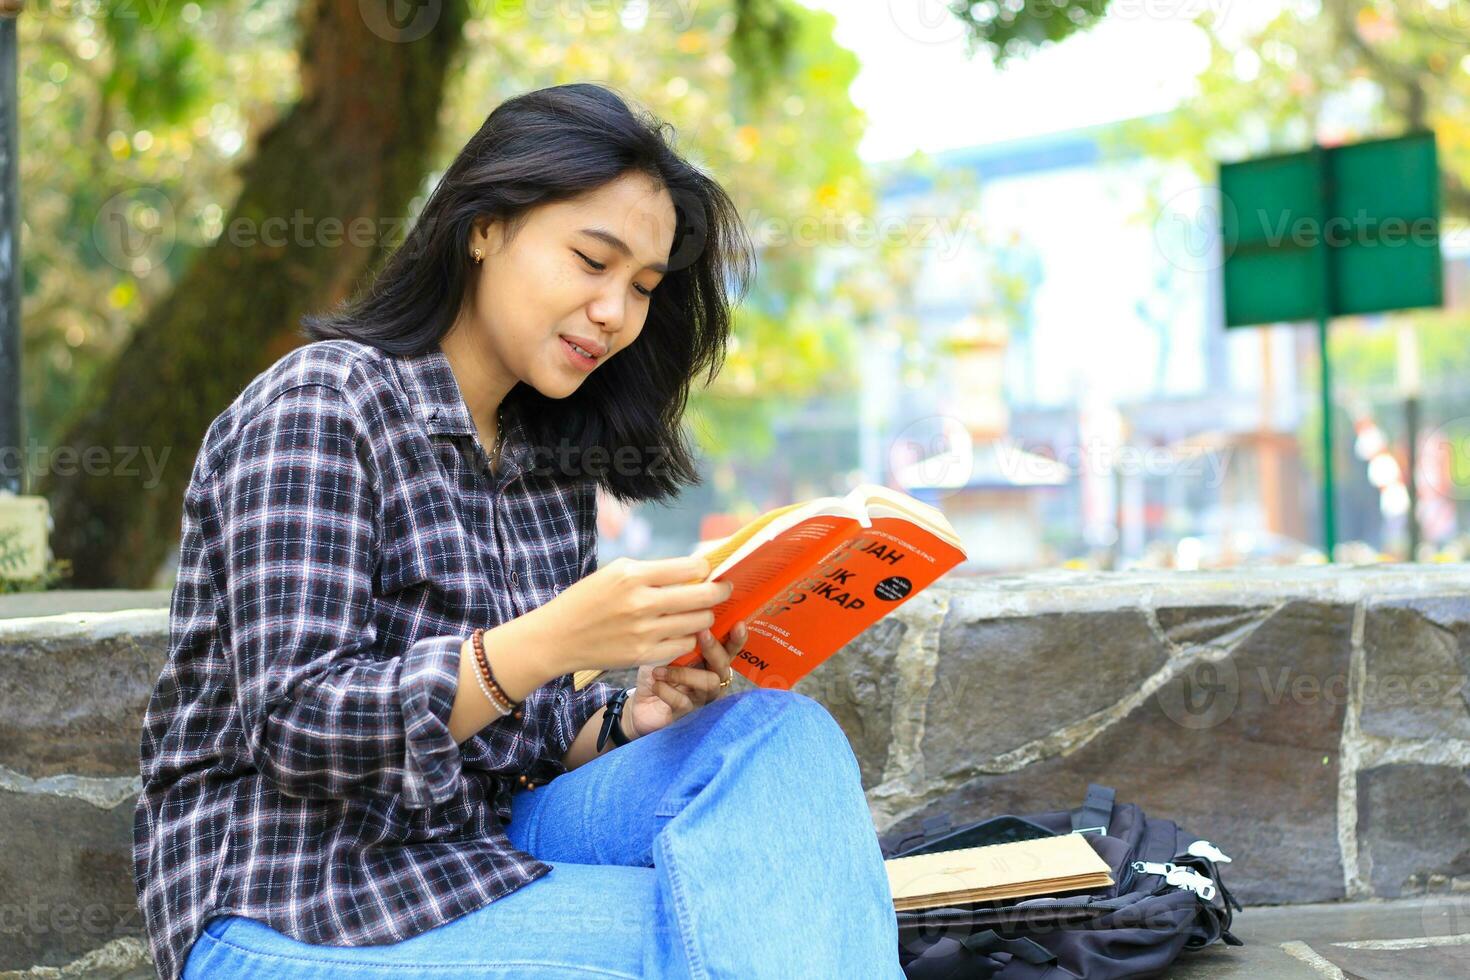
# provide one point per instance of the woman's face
(578, 270)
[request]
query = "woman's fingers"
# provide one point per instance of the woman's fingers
(696, 679)
(673, 697)
(735, 642)
(716, 657)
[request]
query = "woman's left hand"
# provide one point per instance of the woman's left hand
(666, 694)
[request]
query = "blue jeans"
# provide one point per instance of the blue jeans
(736, 842)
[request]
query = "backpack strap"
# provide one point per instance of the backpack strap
(1096, 811)
(933, 826)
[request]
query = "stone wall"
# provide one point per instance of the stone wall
(1312, 722)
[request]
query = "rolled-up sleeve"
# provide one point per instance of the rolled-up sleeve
(328, 713)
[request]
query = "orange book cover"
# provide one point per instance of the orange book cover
(811, 576)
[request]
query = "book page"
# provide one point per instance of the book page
(877, 499)
(725, 553)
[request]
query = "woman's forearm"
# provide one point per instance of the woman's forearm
(584, 746)
(521, 661)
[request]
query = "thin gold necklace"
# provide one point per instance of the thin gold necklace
(499, 436)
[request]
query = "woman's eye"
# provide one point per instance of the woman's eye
(596, 265)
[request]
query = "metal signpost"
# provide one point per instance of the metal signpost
(1332, 231)
(11, 478)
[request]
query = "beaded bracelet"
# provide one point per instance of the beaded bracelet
(494, 693)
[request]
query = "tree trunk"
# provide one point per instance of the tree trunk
(353, 149)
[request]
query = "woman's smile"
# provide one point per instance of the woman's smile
(578, 358)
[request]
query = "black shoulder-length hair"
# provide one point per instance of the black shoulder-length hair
(622, 427)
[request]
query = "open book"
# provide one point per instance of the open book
(1019, 869)
(811, 576)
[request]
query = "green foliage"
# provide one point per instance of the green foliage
(1006, 29)
(12, 554)
(760, 42)
(132, 121)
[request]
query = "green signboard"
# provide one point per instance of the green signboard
(1332, 231)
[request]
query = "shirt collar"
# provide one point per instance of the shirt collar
(434, 393)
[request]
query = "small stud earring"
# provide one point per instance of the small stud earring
(479, 255)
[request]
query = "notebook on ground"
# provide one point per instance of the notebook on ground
(996, 872)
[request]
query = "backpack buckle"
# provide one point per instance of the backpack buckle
(1192, 881)
(1173, 874)
(1204, 849)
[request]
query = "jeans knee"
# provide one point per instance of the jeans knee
(808, 717)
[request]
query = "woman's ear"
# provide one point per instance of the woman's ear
(487, 233)
(479, 234)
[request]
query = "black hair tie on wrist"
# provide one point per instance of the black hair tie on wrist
(611, 721)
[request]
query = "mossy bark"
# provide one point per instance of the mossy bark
(356, 146)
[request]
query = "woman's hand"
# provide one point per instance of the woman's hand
(666, 694)
(630, 613)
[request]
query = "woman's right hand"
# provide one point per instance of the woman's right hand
(632, 612)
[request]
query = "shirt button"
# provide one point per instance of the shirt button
(515, 578)
(516, 715)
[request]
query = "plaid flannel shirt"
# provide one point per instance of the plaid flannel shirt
(342, 535)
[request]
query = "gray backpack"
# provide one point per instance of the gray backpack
(1168, 898)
